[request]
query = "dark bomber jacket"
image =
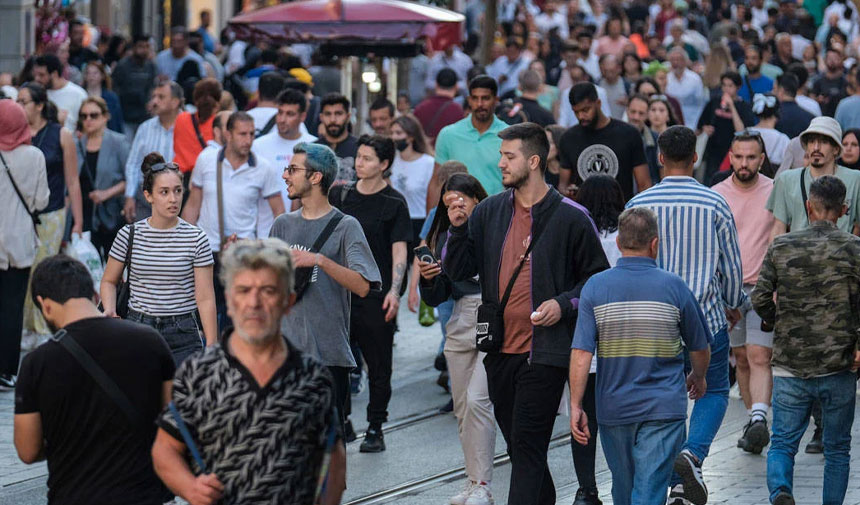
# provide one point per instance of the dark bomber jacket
(567, 253)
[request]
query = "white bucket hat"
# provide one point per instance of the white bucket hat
(826, 126)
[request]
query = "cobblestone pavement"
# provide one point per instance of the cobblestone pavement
(429, 446)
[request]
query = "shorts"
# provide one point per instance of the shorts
(748, 329)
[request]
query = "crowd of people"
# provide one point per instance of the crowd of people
(645, 202)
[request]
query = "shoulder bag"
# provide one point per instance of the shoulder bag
(268, 127)
(124, 289)
(34, 215)
(303, 274)
(219, 189)
(196, 123)
(490, 328)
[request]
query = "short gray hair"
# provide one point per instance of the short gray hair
(176, 91)
(637, 227)
(319, 158)
(257, 254)
(530, 81)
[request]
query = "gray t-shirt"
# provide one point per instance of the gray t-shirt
(319, 323)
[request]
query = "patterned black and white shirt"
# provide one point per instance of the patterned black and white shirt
(266, 445)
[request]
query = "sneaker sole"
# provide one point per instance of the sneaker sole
(368, 450)
(784, 499)
(694, 489)
(757, 438)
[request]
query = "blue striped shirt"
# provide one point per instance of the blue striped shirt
(698, 242)
(150, 136)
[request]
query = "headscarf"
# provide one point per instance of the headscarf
(14, 130)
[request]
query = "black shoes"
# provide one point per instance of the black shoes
(587, 497)
(756, 436)
(373, 440)
(442, 381)
(8, 381)
(783, 498)
(690, 470)
(348, 432)
(447, 408)
(815, 446)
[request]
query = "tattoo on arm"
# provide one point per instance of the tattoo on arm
(397, 277)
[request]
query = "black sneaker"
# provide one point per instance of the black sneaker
(442, 381)
(676, 496)
(373, 440)
(587, 497)
(348, 432)
(783, 498)
(8, 381)
(756, 436)
(440, 363)
(815, 446)
(690, 471)
(447, 408)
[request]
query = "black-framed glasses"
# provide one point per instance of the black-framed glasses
(92, 115)
(158, 167)
(292, 169)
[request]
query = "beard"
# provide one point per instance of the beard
(745, 175)
(270, 333)
(517, 182)
(335, 130)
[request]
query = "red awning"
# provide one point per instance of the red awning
(345, 22)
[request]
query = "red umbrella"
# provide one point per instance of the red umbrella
(382, 23)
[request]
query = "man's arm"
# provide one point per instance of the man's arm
(694, 332)
(191, 213)
(336, 476)
(729, 263)
(168, 459)
(28, 437)
(398, 270)
(589, 260)
(583, 348)
(779, 228)
(643, 177)
(434, 188)
(276, 203)
(349, 279)
(763, 294)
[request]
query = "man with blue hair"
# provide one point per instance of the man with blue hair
(333, 262)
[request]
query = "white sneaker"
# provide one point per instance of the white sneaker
(676, 496)
(480, 495)
(461, 497)
(735, 392)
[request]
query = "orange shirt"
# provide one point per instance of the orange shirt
(186, 145)
(518, 325)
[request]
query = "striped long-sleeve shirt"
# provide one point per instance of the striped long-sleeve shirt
(150, 137)
(699, 243)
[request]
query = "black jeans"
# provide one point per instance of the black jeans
(375, 338)
(181, 333)
(340, 375)
(584, 455)
(13, 290)
(525, 398)
(220, 302)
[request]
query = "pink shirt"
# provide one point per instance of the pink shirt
(753, 221)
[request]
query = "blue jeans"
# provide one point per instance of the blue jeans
(640, 457)
(792, 403)
(181, 333)
(709, 410)
(443, 312)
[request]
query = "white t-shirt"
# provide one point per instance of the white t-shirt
(244, 188)
(261, 116)
(411, 179)
(775, 143)
(69, 98)
(808, 104)
(278, 151)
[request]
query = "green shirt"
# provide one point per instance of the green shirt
(478, 151)
(786, 199)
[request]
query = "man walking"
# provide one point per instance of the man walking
(105, 459)
(134, 81)
(66, 95)
(260, 413)
(503, 242)
(814, 274)
(334, 116)
(699, 243)
(636, 318)
(439, 109)
(336, 261)
(746, 192)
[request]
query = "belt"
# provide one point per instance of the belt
(160, 320)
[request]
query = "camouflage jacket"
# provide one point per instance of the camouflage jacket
(815, 274)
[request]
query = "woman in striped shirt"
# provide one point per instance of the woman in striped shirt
(170, 273)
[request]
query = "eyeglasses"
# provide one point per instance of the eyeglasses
(746, 134)
(659, 97)
(93, 115)
(23, 103)
(158, 167)
(292, 169)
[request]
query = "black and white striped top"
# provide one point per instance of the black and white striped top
(162, 266)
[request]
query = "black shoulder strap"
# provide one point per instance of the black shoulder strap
(345, 191)
(803, 192)
(326, 233)
(749, 84)
(34, 215)
(269, 125)
(128, 249)
(441, 110)
(196, 124)
(100, 377)
(535, 237)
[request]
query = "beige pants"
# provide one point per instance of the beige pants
(472, 406)
(50, 238)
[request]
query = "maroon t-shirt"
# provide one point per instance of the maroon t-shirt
(436, 112)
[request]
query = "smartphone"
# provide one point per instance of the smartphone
(423, 253)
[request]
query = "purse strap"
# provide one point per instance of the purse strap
(535, 237)
(803, 191)
(34, 216)
(186, 436)
(196, 123)
(127, 264)
(100, 377)
(219, 187)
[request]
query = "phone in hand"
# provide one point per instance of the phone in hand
(423, 253)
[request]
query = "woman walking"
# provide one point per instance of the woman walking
(61, 163)
(472, 406)
(170, 273)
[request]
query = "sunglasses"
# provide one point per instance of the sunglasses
(94, 115)
(158, 167)
(659, 97)
(747, 134)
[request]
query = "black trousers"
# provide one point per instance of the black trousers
(220, 302)
(340, 374)
(584, 455)
(525, 398)
(13, 291)
(375, 338)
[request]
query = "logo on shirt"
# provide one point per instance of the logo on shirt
(316, 268)
(597, 159)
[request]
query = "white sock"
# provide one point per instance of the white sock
(759, 411)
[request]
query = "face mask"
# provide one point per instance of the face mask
(401, 144)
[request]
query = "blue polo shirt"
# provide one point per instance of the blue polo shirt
(478, 151)
(638, 318)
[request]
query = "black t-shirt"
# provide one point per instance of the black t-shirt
(95, 455)
(536, 113)
(384, 217)
(613, 150)
(724, 129)
(833, 91)
(345, 152)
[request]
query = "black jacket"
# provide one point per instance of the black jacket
(439, 289)
(567, 253)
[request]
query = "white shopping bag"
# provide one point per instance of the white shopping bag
(83, 250)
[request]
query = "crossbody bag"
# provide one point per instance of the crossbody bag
(124, 290)
(303, 274)
(196, 123)
(34, 216)
(490, 328)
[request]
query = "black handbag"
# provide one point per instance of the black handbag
(124, 290)
(490, 328)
